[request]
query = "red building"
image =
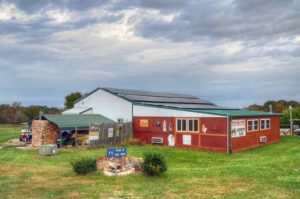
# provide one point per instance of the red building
(182, 120)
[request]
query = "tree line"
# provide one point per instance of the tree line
(15, 113)
(280, 106)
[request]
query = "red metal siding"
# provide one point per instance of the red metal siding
(215, 137)
(146, 133)
(252, 139)
(215, 125)
(214, 143)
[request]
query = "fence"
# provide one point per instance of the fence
(110, 134)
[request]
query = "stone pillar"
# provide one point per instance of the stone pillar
(44, 132)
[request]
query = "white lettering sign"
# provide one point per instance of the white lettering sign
(110, 132)
(238, 128)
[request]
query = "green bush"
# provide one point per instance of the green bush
(84, 166)
(154, 164)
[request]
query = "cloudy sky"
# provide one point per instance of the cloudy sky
(234, 53)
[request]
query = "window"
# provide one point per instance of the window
(190, 125)
(268, 124)
(265, 124)
(252, 125)
(262, 124)
(193, 125)
(181, 125)
(255, 125)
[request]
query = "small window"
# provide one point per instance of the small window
(262, 124)
(183, 125)
(265, 124)
(179, 125)
(268, 124)
(196, 125)
(250, 125)
(255, 127)
(191, 125)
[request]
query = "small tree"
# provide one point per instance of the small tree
(71, 99)
(154, 164)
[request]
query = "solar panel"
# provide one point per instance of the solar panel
(149, 96)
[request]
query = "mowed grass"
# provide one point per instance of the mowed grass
(272, 171)
(9, 132)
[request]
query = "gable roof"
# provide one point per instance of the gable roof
(70, 122)
(152, 97)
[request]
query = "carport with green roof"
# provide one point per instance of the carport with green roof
(74, 124)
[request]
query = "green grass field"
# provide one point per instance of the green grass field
(272, 171)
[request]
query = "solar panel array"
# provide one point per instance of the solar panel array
(161, 97)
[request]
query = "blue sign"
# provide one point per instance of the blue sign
(116, 152)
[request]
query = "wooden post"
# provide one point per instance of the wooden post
(76, 143)
(60, 139)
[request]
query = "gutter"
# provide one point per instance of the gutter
(229, 139)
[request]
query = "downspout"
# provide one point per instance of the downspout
(132, 120)
(229, 140)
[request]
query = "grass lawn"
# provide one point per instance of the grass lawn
(272, 171)
(9, 132)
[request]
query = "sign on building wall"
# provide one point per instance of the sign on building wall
(187, 140)
(116, 152)
(238, 128)
(144, 123)
(94, 132)
(110, 132)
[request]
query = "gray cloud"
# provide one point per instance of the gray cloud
(33, 6)
(234, 53)
(239, 20)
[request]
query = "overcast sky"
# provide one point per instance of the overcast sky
(233, 53)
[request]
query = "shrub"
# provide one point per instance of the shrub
(154, 164)
(84, 166)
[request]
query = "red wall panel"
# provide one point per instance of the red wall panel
(214, 142)
(215, 138)
(252, 139)
(214, 125)
(146, 133)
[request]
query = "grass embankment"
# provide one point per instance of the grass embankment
(271, 171)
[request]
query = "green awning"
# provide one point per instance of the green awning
(70, 122)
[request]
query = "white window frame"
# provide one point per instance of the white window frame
(193, 125)
(181, 119)
(187, 125)
(265, 127)
(253, 129)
